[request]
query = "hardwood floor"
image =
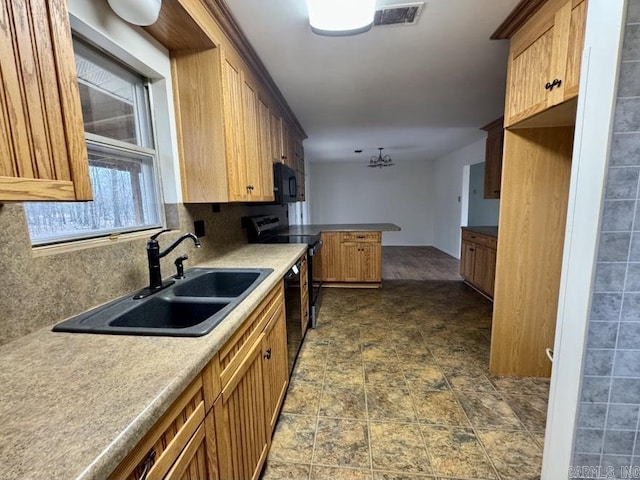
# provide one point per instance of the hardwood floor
(418, 263)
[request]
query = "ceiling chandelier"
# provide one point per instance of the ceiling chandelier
(380, 161)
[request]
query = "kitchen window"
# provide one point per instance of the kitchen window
(122, 157)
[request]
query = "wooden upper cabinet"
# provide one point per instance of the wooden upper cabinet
(265, 153)
(493, 158)
(232, 91)
(544, 60)
(276, 138)
(43, 154)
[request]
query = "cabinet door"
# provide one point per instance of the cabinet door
(232, 85)
(350, 254)
(480, 268)
(370, 257)
(43, 154)
(467, 260)
(253, 165)
(529, 71)
(331, 257)
(276, 138)
(548, 49)
(265, 157)
(300, 186)
(275, 366)
(285, 141)
(493, 161)
(198, 460)
(241, 428)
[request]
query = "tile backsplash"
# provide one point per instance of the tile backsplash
(40, 290)
(609, 411)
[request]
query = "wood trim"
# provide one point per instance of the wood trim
(225, 20)
(517, 18)
(211, 382)
(16, 189)
(182, 463)
(177, 29)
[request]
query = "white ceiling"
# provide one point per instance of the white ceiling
(419, 91)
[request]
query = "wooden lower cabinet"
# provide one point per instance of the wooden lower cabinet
(159, 450)
(478, 260)
(275, 366)
(198, 460)
(352, 257)
(241, 426)
(221, 425)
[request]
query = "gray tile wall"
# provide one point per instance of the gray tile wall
(609, 410)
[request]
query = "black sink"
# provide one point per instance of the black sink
(192, 307)
(167, 313)
(219, 283)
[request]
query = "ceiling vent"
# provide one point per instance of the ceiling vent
(402, 14)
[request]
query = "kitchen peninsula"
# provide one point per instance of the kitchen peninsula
(351, 254)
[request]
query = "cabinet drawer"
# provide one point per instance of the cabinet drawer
(479, 238)
(361, 237)
(239, 345)
(158, 450)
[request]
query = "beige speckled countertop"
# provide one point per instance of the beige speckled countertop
(73, 405)
(491, 231)
(342, 227)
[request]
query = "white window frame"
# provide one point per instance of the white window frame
(144, 119)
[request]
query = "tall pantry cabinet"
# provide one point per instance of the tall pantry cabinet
(541, 99)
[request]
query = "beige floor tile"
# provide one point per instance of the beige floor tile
(530, 409)
(308, 371)
(343, 402)
(470, 383)
(379, 352)
(439, 408)
(384, 373)
(515, 454)
(398, 447)
(378, 475)
(285, 471)
(344, 373)
(515, 385)
(302, 398)
(342, 443)
(375, 334)
(456, 452)
(421, 378)
(330, 473)
(486, 410)
(293, 439)
(390, 404)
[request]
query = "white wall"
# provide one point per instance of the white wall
(482, 211)
(351, 193)
(448, 195)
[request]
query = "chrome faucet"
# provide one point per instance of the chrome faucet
(154, 255)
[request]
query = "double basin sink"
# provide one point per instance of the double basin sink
(191, 307)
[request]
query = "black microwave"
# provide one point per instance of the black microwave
(285, 187)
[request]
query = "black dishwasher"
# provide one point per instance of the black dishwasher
(292, 298)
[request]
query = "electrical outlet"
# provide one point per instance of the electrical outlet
(198, 227)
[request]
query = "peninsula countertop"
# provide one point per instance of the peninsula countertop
(316, 229)
(73, 405)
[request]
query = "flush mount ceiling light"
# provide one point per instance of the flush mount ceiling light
(337, 18)
(137, 12)
(380, 161)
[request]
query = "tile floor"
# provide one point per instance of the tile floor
(393, 384)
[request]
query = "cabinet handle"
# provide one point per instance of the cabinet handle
(496, 191)
(267, 354)
(473, 236)
(148, 463)
(472, 249)
(550, 85)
